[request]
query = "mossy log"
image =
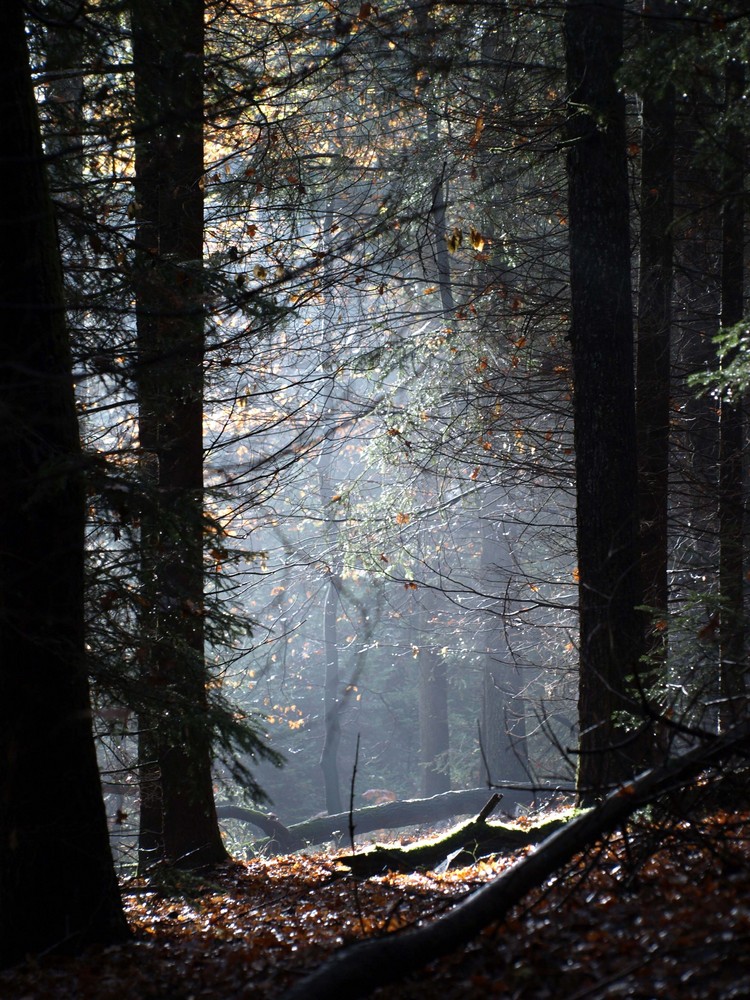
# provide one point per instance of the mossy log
(459, 847)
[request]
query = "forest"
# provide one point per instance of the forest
(373, 601)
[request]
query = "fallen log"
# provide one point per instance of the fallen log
(460, 847)
(269, 824)
(388, 815)
(355, 971)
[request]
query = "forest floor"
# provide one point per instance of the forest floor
(659, 913)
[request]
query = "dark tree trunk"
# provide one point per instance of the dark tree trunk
(731, 542)
(57, 884)
(502, 729)
(654, 354)
(604, 399)
(693, 502)
(434, 731)
(178, 818)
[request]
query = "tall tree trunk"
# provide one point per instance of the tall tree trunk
(57, 883)
(654, 354)
(178, 817)
(604, 398)
(434, 730)
(332, 694)
(733, 704)
(503, 722)
(329, 757)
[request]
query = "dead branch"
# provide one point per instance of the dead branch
(389, 815)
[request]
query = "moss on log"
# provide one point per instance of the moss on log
(460, 847)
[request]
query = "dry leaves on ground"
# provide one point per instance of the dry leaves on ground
(654, 914)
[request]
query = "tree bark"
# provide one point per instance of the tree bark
(438, 266)
(58, 890)
(178, 815)
(611, 633)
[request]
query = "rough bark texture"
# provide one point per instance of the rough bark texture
(604, 398)
(178, 817)
(57, 884)
(695, 433)
(357, 970)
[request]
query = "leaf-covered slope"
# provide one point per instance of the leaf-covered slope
(625, 919)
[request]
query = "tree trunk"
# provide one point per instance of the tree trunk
(733, 704)
(503, 722)
(58, 890)
(434, 734)
(438, 266)
(178, 816)
(654, 354)
(329, 757)
(332, 694)
(695, 433)
(604, 399)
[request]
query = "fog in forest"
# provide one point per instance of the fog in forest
(380, 290)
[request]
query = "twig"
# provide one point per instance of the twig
(351, 795)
